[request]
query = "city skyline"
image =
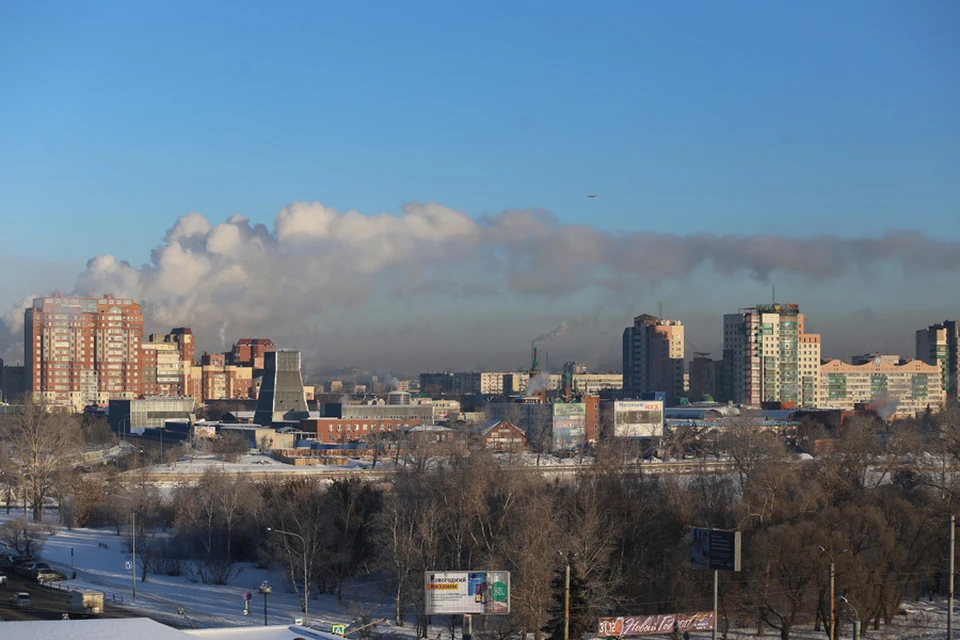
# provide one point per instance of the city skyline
(453, 149)
(568, 327)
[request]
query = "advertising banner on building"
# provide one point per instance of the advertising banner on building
(626, 626)
(715, 549)
(203, 431)
(473, 592)
(638, 419)
(569, 425)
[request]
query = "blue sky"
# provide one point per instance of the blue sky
(744, 117)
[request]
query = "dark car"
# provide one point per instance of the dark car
(21, 599)
(29, 568)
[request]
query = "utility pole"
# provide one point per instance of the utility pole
(566, 602)
(566, 592)
(953, 545)
(133, 548)
(833, 574)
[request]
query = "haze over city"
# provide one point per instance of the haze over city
(381, 190)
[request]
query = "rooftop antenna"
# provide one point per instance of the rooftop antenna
(774, 291)
(660, 309)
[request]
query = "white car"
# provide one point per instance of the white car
(21, 599)
(3, 578)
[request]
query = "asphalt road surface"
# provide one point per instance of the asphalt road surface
(48, 603)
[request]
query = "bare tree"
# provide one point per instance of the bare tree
(39, 442)
(748, 445)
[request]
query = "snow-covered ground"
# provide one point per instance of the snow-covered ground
(254, 463)
(99, 559)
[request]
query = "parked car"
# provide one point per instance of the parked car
(48, 575)
(21, 599)
(29, 568)
(3, 578)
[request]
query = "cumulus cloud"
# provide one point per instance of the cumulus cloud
(317, 261)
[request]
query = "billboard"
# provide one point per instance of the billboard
(203, 431)
(715, 548)
(461, 592)
(569, 425)
(624, 626)
(638, 419)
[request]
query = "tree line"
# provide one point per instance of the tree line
(876, 498)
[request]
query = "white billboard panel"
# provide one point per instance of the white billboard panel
(638, 419)
(474, 592)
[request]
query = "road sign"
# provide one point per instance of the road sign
(129, 565)
(339, 629)
(715, 548)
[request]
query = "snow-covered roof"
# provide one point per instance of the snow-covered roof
(147, 629)
(95, 629)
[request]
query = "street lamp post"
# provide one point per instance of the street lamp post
(566, 592)
(265, 589)
(133, 545)
(856, 621)
(306, 581)
(833, 615)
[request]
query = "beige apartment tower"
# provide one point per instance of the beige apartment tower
(653, 352)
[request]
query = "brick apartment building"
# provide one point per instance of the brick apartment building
(80, 351)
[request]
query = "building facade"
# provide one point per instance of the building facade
(939, 345)
(222, 381)
(281, 395)
(166, 363)
(903, 388)
(249, 352)
(653, 353)
(80, 351)
(702, 377)
(593, 383)
(12, 385)
(763, 350)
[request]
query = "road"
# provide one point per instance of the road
(48, 603)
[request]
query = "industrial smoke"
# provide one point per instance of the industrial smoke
(315, 260)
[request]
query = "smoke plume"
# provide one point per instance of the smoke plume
(565, 327)
(318, 266)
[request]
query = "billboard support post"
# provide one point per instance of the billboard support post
(467, 626)
(716, 579)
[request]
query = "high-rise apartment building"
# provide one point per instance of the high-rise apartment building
(653, 357)
(167, 363)
(702, 378)
(80, 351)
(939, 344)
(768, 357)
